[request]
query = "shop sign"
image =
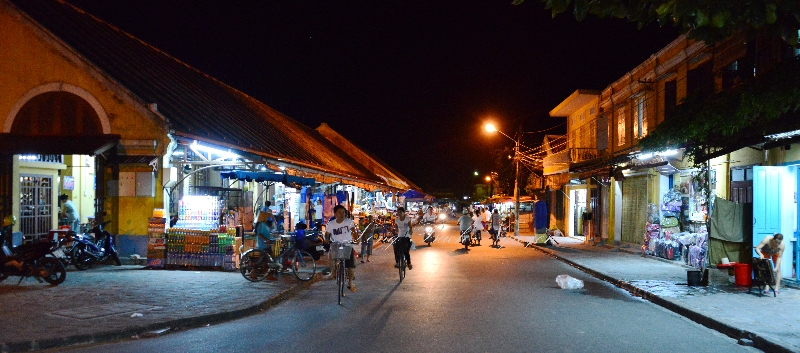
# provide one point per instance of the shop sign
(69, 183)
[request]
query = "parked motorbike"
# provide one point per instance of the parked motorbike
(64, 250)
(30, 260)
(86, 251)
(311, 241)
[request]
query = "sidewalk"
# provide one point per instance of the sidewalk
(768, 323)
(109, 303)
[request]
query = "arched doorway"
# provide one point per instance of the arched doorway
(47, 123)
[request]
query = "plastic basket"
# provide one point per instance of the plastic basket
(341, 251)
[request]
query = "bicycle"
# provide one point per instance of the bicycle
(340, 253)
(256, 264)
(400, 259)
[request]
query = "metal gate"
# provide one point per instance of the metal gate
(35, 205)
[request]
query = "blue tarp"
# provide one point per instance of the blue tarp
(267, 176)
(414, 195)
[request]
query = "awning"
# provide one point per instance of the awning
(507, 199)
(268, 176)
(416, 196)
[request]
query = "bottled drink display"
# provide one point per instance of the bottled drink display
(201, 248)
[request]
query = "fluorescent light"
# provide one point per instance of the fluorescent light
(224, 154)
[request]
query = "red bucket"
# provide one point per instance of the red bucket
(743, 274)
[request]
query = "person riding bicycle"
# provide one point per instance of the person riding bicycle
(465, 223)
(402, 244)
(477, 223)
(342, 230)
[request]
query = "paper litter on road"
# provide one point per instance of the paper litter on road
(567, 282)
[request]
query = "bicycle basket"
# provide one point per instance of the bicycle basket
(341, 251)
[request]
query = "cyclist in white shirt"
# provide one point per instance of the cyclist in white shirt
(403, 241)
(342, 230)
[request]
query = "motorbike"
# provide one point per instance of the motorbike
(466, 238)
(86, 251)
(30, 260)
(311, 241)
(429, 236)
(64, 251)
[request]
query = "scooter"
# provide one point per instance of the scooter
(466, 238)
(30, 260)
(429, 235)
(87, 251)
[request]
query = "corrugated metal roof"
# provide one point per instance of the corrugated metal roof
(194, 104)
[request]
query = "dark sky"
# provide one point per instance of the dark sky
(410, 81)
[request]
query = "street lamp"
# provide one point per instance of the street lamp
(491, 128)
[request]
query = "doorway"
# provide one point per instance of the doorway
(35, 205)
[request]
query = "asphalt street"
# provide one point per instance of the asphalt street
(486, 300)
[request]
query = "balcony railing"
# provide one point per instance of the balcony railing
(582, 154)
(45, 158)
(572, 155)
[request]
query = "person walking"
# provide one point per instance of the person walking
(70, 212)
(367, 234)
(342, 230)
(495, 227)
(403, 242)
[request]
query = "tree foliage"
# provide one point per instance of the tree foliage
(706, 20)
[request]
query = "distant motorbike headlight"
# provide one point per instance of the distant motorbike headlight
(428, 229)
(442, 216)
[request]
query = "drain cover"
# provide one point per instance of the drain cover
(95, 311)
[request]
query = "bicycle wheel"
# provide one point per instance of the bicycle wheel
(402, 268)
(303, 266)
(251, 266)
(340, 280)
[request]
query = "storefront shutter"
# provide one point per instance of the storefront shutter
(634, 209)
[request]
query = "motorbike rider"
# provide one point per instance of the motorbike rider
(465, 223)
(429, 216)
(477, 223)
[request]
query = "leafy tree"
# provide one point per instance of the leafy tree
(706, 20)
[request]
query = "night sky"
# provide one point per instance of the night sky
(412, 82)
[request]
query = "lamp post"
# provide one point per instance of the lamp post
(491, 128)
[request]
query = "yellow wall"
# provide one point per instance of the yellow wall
(31, 59)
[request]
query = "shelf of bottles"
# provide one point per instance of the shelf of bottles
(199, 212)
(201, 248)
(156, 240)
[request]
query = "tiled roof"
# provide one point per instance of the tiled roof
(194, 104)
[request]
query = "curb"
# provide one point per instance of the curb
(135, 332)
(733, 332)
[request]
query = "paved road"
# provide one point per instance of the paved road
(486, 300)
